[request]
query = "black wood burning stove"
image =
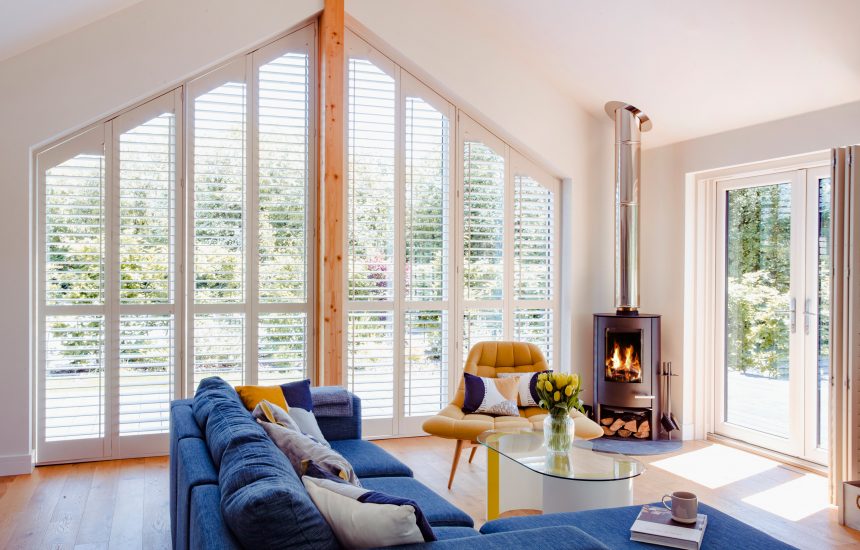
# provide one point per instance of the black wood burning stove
(627, 343)
(627, 370)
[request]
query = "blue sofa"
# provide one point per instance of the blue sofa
(232, 488)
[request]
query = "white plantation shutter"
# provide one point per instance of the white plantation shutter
(483, 221)
(217, 212)
(481, 325)
(370, 155)
(371, 359)
(146, 164)
(535, 246)
(399, 212)
(284, 176)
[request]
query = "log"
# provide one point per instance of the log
(642, 435)
(644, 426)
(607, 421)
(631, 426)
(623, 433)
(607, 431)
(616, 425)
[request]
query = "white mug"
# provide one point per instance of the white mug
(685, 506)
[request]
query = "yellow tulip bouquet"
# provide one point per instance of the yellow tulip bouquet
(559, 394)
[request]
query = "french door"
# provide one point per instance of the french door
(772, 372)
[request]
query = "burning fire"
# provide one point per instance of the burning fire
(624, 365)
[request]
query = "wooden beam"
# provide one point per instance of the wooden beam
(331, 191)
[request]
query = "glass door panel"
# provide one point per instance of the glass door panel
(758, 308)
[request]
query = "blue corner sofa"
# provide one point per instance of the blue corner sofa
(232, 488)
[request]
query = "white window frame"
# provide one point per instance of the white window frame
(703, 315)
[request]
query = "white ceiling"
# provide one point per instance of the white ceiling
(696, 67)
(25, 24)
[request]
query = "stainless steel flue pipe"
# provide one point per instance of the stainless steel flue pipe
(629, 123)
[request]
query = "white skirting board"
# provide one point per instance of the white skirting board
(14, 465)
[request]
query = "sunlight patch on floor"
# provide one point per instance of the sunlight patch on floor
(715, 466)
(795, 499)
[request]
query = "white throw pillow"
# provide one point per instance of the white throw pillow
(526, 389)
(361, 518)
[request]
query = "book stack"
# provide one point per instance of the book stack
(655, 525)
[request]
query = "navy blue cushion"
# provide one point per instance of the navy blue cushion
(298, 394)
(207, 528)
(375, 497)
(446, 533)
(558, 538)
(438, 511)
(611, 526)
(474, 392)
(369, 459)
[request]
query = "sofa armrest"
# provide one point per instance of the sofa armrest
(559, 538)
(336, 428)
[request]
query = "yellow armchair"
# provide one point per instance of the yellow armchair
(488, 359)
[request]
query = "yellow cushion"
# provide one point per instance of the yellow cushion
(252, 395)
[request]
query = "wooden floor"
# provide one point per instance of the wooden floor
(124, 503)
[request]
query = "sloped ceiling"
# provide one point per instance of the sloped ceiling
(696, 67)
(25, 24)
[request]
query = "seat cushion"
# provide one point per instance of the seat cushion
(723, 530)
(447, 533)
(452, 423)
(370, 460)
(438, 511)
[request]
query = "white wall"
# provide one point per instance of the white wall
(664, 234)
(79, 78)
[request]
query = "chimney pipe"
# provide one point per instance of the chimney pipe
(629, 123)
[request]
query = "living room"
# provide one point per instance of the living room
(376, 273)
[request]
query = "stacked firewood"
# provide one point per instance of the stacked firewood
(626, 425)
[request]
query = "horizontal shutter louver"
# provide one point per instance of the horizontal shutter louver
(483, 222)
(74, 232)
(370, 152)
(282, 347)
(219, 195)
(219, 347)
(370, 361)
(146, 361)
(284, 168)
(426, 362)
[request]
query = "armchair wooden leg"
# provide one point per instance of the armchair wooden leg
(472, 454)
(457, 450)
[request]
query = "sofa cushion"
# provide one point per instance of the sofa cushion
(206, 527)
(565, 537)
(447, 533)
(196, 470)
(298, 394)
(496, 396)
(723, 530)
(202, 404)
(370, 460)
(438, 511)
(182, 426)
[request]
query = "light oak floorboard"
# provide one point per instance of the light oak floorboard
(125, 503)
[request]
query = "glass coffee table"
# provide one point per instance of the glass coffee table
(523, 475)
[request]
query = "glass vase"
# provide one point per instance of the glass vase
(558, 432)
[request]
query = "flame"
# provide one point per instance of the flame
(624, 365)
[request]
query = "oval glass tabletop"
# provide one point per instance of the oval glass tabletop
(582, 462)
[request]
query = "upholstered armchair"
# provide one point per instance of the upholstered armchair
(488, 359)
